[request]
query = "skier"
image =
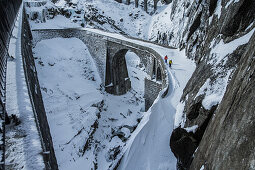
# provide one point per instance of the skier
(170, 63)
(166, 59)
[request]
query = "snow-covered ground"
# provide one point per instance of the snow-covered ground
(89, 127)
(23, 146)
(101, 14)
(149, 143)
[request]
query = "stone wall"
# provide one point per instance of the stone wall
(97, 47)
(36, 96)
(152, 89)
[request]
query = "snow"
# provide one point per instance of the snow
(135, 23)
(202, 167)
(218, 9)
(59, 22)
(23, 138)
(214, 91)
(191, 129)
(88, 125)
(179, 119)
(148, 147)
(229, 2)
(74, 102)
(72, 97)
(162, 124)
(171, 25)
(222, 49)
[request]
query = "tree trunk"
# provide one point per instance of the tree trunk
(145, 5)
(155, 5)
(128, 2)
(136, 3)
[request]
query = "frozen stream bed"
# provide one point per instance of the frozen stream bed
(89, 127)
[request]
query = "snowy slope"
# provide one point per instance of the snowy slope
(95, 124)
(102, 14)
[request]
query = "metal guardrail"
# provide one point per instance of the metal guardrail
(8, 14)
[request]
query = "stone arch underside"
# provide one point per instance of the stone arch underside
(117, 80)
(159, 74)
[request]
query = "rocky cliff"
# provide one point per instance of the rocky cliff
(219, 98)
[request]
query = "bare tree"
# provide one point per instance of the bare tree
(136, 3)
(155, 5)
(145, 5)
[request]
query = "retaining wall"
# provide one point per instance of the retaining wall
(152, 89)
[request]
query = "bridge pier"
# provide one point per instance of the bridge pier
(119, 89)
(117, 81)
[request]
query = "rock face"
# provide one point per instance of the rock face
(228, 142)
(216, 33)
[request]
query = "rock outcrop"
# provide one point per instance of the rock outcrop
(228, 142)
(215, 34)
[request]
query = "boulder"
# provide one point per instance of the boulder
(183, 145)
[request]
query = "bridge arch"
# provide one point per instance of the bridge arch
(109, 56)
(117, 80)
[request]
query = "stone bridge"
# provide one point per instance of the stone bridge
(109, 53)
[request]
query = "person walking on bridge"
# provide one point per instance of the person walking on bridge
(170, 63)
(166, 59)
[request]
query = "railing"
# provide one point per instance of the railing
(36, 96)
(8, 13)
